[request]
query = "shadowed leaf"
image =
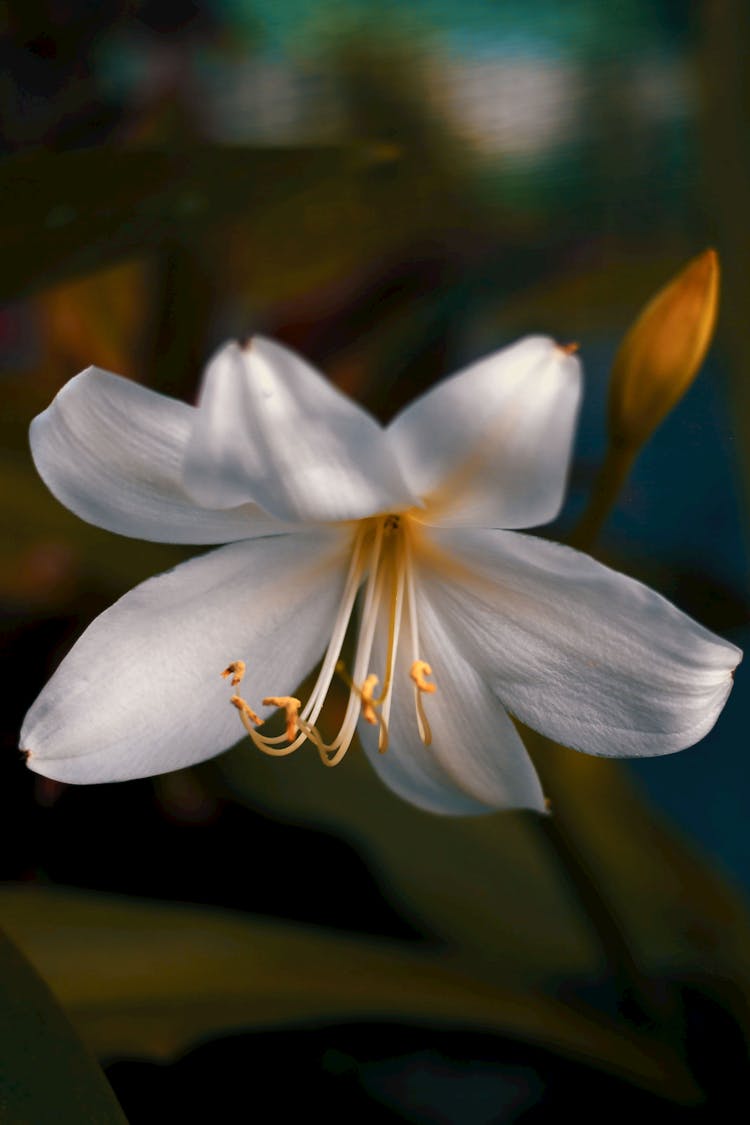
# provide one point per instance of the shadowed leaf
(46, 1074)
(483, 884)
(150, 979)
(491, 887)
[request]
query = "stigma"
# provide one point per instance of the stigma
(380, 576)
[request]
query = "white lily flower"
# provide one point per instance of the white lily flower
(322, 509)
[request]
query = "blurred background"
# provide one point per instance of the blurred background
(393, 190)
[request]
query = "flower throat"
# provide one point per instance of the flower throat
(381, 558)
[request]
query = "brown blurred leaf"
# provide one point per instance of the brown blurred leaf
(65, 213)
(97, 319)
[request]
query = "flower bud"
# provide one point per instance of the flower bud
(661, 354)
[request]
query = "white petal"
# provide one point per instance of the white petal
(476, 762)
(141, 692)
(490, 446)
(270, 429)
(583, 654)
(111, 451)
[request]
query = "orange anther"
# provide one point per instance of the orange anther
(236, 670)
(366, 693)
(420, 669)
(246, 710)
(291, 708)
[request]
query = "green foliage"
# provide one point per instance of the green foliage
(47, 1076)
(146, 979)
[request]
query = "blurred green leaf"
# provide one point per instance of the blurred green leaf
(46, 1074)
(150, 979)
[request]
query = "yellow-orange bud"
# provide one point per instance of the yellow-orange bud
(661, 354)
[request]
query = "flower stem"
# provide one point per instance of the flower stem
(607, 487)
(638, 1001)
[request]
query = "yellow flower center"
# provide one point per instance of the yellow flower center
(382, 559)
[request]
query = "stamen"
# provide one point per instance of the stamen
(236, 670)
(383, 736)
(291, 708)
(381, 555)
(569, 349)
(400, 566)
(420, 669)
(423, 726)
(372, 599)
(394, 624)
(331, 662)
(246, 712)
(368, 702)
(341, 671)
(418, 665)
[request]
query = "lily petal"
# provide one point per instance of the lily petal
(476, 762)
(585, 655)
(111, 451)
(141, 692)
(269, 428)
(490, 446)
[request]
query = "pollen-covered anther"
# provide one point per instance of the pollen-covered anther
(366, 694)
(291, 708)
(246, 711)
(418, 671)
(236, 670)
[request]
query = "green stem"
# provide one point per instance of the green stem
(639, 1000)
(607, 487)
